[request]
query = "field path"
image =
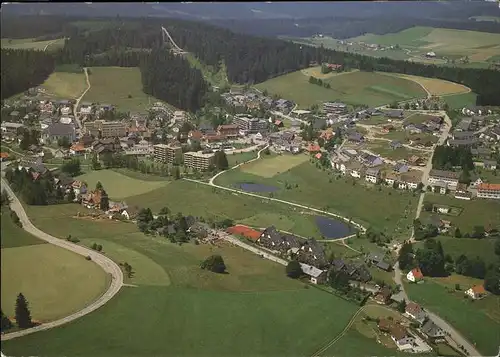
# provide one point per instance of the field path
(48, 44)
(340, 335)
(211, 183)
(104, 262)
(75, 107)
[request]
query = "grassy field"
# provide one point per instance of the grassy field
(474, 212)
(65, 85)
(235, 159)
(478, 46)
(56, 282)
(459, 101)
(30, 44)
(114, 85)
(483, 248)
(313, 187)
(433, 85)
(211, 75)
(383, 149)
(273, 166)
(119, 186)
(199, 313)
(12, 236)
(372, 89)
(483, 315)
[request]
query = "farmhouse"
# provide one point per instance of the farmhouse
(440, 186)
(476, 292)
(395, 114)
(415, 275)
(357, 272)
(372, 175)
(11, 128)
(391, 177)
(411, 179)
(312, 253)
(432, 331)
(401, 337)
(316, 275)
(415, 312)
(383, 296)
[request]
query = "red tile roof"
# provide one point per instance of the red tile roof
(318, 156)
(489, 186)
(417, 273)
(478, 289)
(77, 147)
(4, 155)
(245, 231)
(313, 148)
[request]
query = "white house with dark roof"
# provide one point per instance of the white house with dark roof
(316, 275)
(449, 177)
(372, 174)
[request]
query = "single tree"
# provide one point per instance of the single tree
(98, 186)
(104, 204)
(23, 315)
(5, 323)
(458, 234)
(402, 306)
(293, 269)
(214, 263)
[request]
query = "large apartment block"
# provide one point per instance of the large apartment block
(488, 190)
(198, 160)
(106, 129)
(251, 125)
(167, 154)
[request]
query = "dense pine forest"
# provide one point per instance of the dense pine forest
(170, 78)
(23, 69)
(248, 59)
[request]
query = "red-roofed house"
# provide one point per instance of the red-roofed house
(278, 123)
(313, 148)
(476, 292)
(77, 149)
(228, 130)
(415, 275)
(318, 156)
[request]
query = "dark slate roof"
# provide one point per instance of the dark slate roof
(383, 265)
(356, 136)
(394, 113)
(317, 249)
(338, 264)
(292, 241)
(274, 234)
(431, 329)
(190, 220)
(61, 129)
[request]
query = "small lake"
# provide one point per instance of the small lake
(332, 228)
(255, 187)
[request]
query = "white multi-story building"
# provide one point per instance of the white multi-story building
(449, 177)
(488, 190)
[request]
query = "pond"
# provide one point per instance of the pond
(255, 187)
(332, 228)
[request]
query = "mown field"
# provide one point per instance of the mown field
(484, 248)
(474, 212)
(183, 310)
(119, 186)
(65, 85)
(435, 86)
(478, 46)
(31, 44)
(118, 86)
(55, 282)
(313, 187)
(372, 89)
(478, 321)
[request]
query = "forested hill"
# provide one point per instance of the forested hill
(248, 59)
(23, 69)
(347, 27)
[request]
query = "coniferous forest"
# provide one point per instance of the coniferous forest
(23, 69)
(248, 59)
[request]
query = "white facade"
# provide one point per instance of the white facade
(410, 276)
(355, 173)
(371, 178)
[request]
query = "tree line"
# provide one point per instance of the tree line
(433, 261)
(248, 59)
(23, 69)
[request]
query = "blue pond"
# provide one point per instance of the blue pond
(332, 228)
(255, 187)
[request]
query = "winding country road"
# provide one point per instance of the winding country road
(104, 262)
